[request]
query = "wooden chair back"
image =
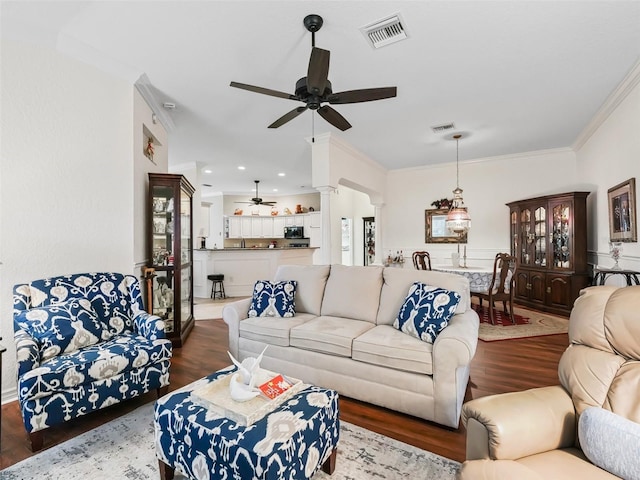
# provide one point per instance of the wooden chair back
(421, 260)
(504, 273)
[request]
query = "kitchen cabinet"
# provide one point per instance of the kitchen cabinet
(170, 250)
(548, 236)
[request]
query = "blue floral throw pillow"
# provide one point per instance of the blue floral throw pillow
(273, 299)
(426, 311)
(63, 327)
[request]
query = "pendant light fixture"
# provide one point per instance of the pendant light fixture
(458, 220)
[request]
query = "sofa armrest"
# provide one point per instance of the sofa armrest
(149, 326)
(453, 351)
(510, 426)
(27, 352)
(232, 314)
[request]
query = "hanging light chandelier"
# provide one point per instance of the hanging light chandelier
(458, 220)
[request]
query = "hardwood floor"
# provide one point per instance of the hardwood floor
(497, 367)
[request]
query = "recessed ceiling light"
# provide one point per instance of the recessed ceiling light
(241, 167)
(275, 189)
(208, 171)
(281, 174)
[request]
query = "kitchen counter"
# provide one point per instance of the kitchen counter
(242, 267)
(237, 249)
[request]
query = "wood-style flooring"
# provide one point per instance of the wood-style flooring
(498, 367)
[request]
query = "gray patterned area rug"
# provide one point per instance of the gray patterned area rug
(124, 449)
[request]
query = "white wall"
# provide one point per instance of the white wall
(143, 122)
(610, 156)
(66, 177)
(488, 185)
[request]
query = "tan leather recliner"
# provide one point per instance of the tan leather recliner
(533, 434)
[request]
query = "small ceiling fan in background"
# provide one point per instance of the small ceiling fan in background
(315, 89)
(257, 200)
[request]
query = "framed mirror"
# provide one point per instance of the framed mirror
(436, 230)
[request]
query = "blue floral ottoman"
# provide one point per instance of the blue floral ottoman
(292, 442)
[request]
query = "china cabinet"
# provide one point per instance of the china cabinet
(548, 236)
(369, 229)
(170, 250)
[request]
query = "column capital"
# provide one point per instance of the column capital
(326, 189)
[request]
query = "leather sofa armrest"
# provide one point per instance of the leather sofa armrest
(515, 425)
(232, 314)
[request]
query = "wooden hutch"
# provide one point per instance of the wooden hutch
(549, 240)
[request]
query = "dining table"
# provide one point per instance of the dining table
(479, 277)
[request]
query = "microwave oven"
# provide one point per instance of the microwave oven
(293, 232)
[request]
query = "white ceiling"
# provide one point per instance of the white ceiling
(515, 76)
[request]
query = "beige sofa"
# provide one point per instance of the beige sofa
(342, 338)
(552, 432)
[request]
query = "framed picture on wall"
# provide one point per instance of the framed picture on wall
(622, 212)
(436, 230)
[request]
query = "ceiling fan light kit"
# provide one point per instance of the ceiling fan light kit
(315, 89)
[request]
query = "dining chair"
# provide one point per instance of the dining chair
(421, 260)
(502, 287)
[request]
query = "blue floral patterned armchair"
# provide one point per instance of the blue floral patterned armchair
(84, 342)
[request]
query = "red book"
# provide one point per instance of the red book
(275, 387)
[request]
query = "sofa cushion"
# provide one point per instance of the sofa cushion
(63, 327)
(610, 441)
(353, 292)
(385, 346)
(274, 331)
(398, 280)
(311, 283)
(273, 299)
(332, 335)
(97, 362)
(426, 311)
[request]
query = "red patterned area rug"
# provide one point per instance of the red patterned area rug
(529, 323)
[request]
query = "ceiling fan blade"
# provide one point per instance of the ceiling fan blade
(264, 91)
(334, 118)
(318, 71)
(363, 95)
(287, 117)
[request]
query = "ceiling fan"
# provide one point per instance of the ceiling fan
(315, 89)
(257, 200)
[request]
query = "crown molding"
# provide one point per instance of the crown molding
(146, 89)
(616, 97)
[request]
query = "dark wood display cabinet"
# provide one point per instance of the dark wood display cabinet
(170, 248)
(549, 239)
(369, 229)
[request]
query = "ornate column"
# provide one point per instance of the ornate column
(325, 222)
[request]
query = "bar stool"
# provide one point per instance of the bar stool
(217, 285)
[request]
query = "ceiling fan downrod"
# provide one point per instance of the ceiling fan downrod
(313, 23)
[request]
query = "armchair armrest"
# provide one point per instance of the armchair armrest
(232, 314)
(515, 425)
(27, 352)
(149, 326)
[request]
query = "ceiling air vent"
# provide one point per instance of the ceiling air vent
(385, 31)
(443, 128)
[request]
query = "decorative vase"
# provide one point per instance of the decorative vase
(615, 249)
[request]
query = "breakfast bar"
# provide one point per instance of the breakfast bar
(242, 267)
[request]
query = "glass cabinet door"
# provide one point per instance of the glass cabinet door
(513, 229)
(525, 236)
(561, 236)
(540, 236)
(163, 226)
